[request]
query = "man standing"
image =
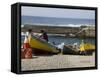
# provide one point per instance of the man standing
(26, 51)
(44, 35)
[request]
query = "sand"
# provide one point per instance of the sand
(57, 61)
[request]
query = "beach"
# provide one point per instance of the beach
(57, 62)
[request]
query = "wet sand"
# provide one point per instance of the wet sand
(57, 61)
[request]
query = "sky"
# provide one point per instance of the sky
(58, 13)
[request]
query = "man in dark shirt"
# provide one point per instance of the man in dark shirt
(44, 35)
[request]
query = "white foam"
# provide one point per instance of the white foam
(61, 25)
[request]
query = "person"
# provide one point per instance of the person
(30, 32)
(44, 35)
(26, 51)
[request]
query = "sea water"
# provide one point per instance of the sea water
(67, 40)
(56, 21)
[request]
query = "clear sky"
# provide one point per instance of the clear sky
(58, 13)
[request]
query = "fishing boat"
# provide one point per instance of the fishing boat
(83, 48)
(68, 49)
(40, 46)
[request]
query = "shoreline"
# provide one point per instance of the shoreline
(62, 35)
(82, 31)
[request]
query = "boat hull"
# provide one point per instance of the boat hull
(41, 47)
(69, 50)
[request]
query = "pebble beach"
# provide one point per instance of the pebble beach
(57, 62)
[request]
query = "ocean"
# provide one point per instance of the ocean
(56, 21)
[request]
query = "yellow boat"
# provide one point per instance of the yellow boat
(86, 47)
(41, 47)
